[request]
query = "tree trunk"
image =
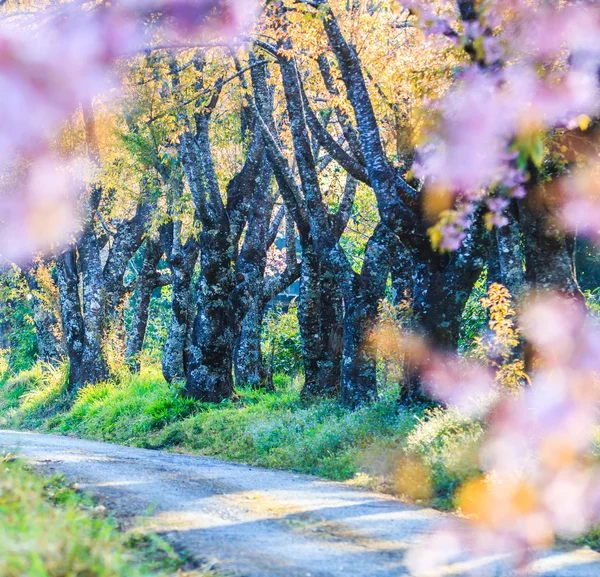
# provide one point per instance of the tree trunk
(223, 295)
(511, 259)
(401, 272)
(126, 242)
(177, 344)
(251, 264)
(320, 317)
(359, 375)
(494, 271)
(248, 365)
(209, 371)
(443, 284)
(146, 283)
(549, 263)
(182, 261)
(70, 311)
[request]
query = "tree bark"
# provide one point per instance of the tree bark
(248, 366)
(126, 241)
(182, 261)
(103, 291)
(326, 272)
(71, 317)
(359, 379)
(549, 263)
(224, 290)
(442, 283)
(93, 300)
(148, 279)
(320, 317)
(511, 257)
(209, 370)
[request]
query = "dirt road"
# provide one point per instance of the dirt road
(254, 522)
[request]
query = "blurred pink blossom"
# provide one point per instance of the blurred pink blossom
(581, 201)
(53, 61)
(539, 481)
(539, 72)
(485, 112)
(442, 373)
(39, 205)
(276, 260)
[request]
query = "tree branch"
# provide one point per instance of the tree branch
(348, 163)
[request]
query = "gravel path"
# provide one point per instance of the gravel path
(254, 522)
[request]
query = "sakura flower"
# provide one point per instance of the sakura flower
(56, 60)
(276, 260)
(538, 481)
(38, 206)
(441, 375)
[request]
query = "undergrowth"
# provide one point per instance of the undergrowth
(272, 429)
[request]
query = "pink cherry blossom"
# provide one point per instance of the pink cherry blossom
(276, 260)
(443, 372)
(539, 481)
(496, 109)
(57, 59)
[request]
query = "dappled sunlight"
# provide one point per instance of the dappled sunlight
(120, 483)
(301, 521)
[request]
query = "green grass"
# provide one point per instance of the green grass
(272, 429)
(47, 529)
(420, 454)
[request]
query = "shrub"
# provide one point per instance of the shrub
(125, 411)
(282, 346)
(33, 396)
(448, 442)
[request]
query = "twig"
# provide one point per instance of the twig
(104, 225)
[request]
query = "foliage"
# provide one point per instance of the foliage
(592, 301)
(282, 347)
(16, 322)
(448, 442)
(474, 317)
(586, 264)
(394, 322)
(501, 346)
(121, 411)
(158, 323)
(38, 393)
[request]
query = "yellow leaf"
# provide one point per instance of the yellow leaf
(435, 235)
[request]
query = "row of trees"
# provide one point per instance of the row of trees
(221, 155)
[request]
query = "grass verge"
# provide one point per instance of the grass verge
(373, 447)
(47, 529)
(422, 455)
